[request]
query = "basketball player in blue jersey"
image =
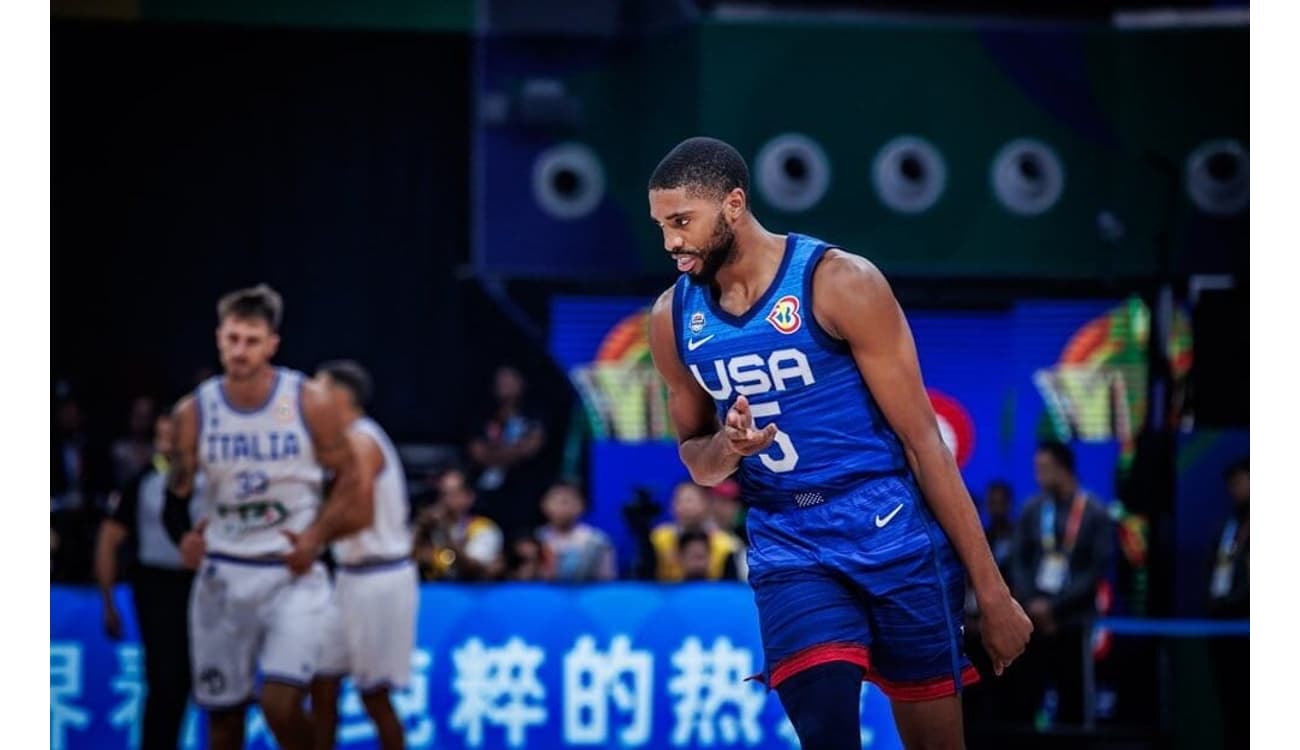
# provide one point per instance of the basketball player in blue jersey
(789, 364)
(262, 438)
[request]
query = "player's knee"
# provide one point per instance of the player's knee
(226, 728)
(822, 704)
(376, 698)
(281, 705)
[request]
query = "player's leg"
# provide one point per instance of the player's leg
(325, 710)
(379, 706)
(222, 652)
(327, 683)
(226, 728)
(290, 654)
(379, 610)
(281, 705)
(822, 704)
(929, 725)
(814, 627)
(915, 593)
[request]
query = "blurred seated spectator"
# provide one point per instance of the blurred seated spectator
(727, 509)
(132, 452)
(1064, 546)
(580, 552)
(1229, 598)
(694, 555)
(451, 543)
(691, 512)
(504, 455)
(527, 559)
(729, 513)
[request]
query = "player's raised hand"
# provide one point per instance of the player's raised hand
(744, 438)
(192, 545)
(1005, 628)
(304, 553)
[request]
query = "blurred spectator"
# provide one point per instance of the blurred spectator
(694, 555)
(729, 513)
(988, 699)
(504, 453)
(527, 559)
(640, 515)
(453, 544)
(1001, 530)
(71, 462)
(1063, 547)
(580, 552)
(691, 512)
(132, 452)
(727, 509)
(160, 590)
(1229, 598)
(78, 477)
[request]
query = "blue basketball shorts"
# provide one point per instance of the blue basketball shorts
(867, 577)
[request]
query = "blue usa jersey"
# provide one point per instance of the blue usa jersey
(832, 434)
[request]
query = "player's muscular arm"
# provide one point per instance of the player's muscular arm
(336, 451)
(360, 514)
(183, 465)
(710, 451)
(854, 302)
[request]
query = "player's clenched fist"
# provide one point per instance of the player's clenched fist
(741, 434)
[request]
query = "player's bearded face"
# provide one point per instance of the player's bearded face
(246, 346)
(715, 255)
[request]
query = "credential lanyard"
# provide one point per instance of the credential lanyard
(1228, 542)
(1072, 524)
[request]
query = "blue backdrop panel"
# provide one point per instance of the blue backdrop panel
(507, 666)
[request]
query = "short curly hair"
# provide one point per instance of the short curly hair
(704, 166)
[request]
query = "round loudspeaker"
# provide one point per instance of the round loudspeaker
(1218, 177)
(568, 181)
(1027, 176)
(793, 172)
(909, 174)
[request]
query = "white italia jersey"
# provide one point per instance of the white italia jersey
(388, 537)
(260, 466)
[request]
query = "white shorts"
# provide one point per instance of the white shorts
(370, 631)
(246, 614)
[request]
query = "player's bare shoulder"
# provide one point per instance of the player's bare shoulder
(847, 286)
(663, 346)
(185, 419)
(318, 409)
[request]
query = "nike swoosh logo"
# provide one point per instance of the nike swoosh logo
(693, 344)
(880, 522)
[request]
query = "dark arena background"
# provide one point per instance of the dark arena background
(453, 194)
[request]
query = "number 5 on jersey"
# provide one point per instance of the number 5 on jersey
(789, 456)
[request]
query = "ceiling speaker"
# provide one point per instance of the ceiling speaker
(568, 181)
(1027, 177)
(1218, 177)
(909, 174)
(793, 172)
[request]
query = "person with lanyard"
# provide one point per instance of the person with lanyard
(1063, 548)
(160, 590)
(1229, 599)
